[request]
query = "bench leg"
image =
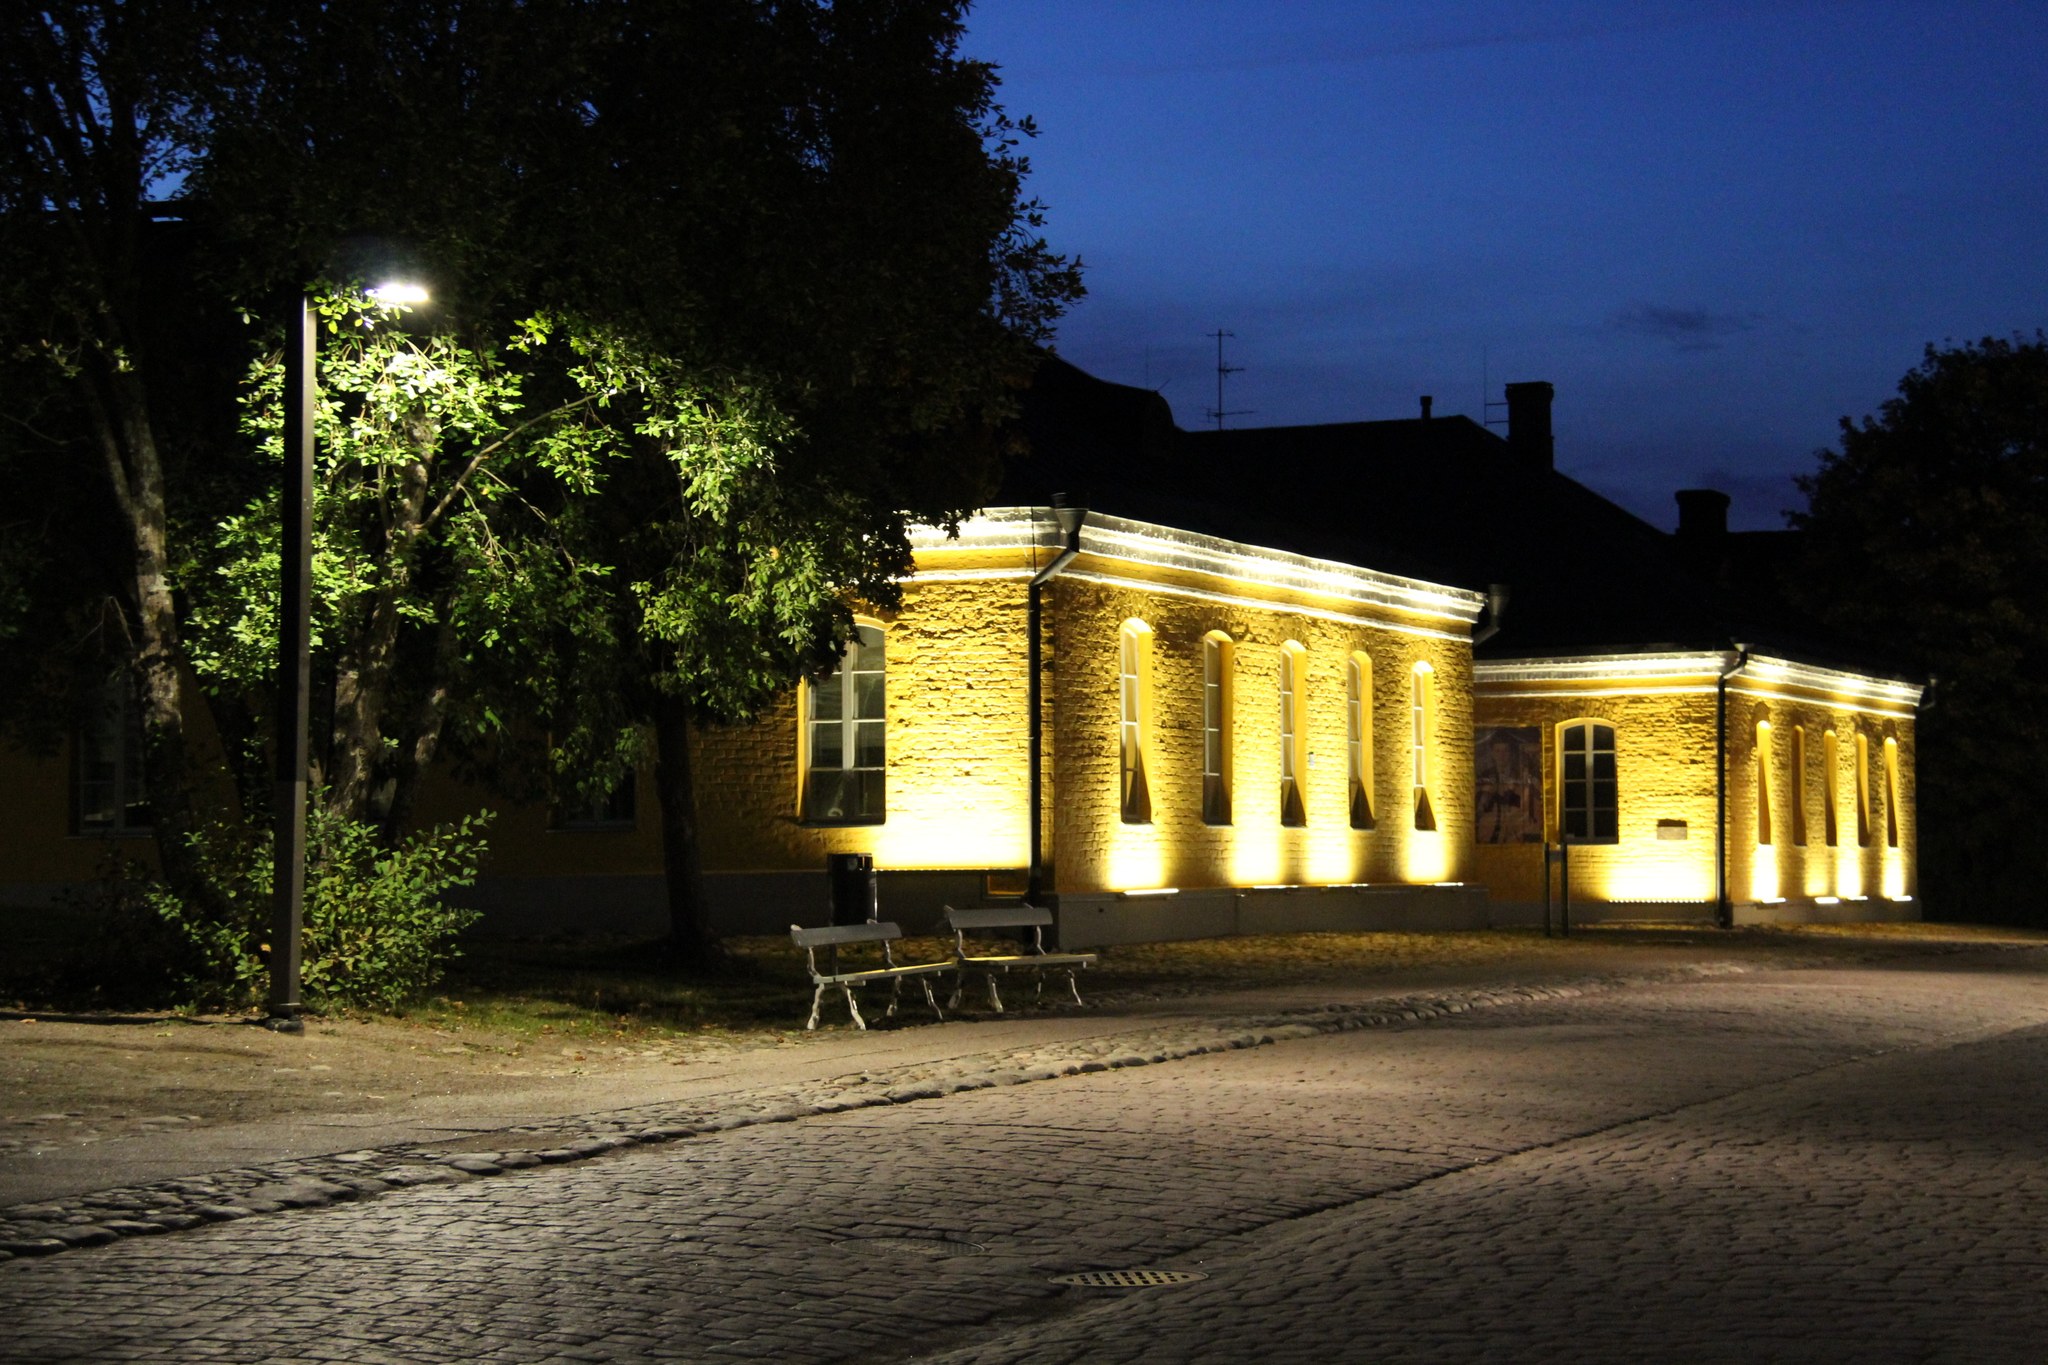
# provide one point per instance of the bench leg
(854, 1009)
(895, 997)
(1074, 987)
(929, 999)
(959, 987)
(995, 1001)
(817, 1003)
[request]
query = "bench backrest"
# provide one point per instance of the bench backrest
(1032, 917)
(1006, 917)
(832, 935)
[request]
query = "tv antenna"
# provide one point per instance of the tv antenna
(1219, 412)
(1487, 406)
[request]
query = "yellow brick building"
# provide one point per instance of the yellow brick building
(1353, 676)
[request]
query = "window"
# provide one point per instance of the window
(845, 741)
(110, 794)
(1763, 783)
(1134, 703)
(1293, 735)
(1830, 785)
(1799, 785)
(1421, 721)
(1358, 738)
(616, 808)
(1891, 793)
(1219, 659)
(1588, 788)
(1862, 790)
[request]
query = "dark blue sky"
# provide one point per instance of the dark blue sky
(1716, 227)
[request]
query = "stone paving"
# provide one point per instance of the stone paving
(1812, 1165)
(102, 1216)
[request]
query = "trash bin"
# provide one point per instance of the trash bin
(851, 877)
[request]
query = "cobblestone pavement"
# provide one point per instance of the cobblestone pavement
(1820, 1165)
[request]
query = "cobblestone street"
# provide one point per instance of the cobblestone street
(1796, 1165)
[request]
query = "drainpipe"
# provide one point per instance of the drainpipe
(1724, 909)
(1496, 603)
(1070, 517)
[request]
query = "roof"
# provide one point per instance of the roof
(1438, 498)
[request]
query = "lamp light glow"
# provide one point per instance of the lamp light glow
(400, 294)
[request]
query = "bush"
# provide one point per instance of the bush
(376, 932)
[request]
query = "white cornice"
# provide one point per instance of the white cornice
(1117, 540)
(1627, 669)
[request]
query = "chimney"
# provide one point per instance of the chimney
(1529, 440)
(1702, 517)
(1427, 400)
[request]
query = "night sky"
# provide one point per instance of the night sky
(1715, 227)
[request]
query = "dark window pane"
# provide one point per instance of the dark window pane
(867, 691)
(827, 746)
(827, 698)
(868, 744)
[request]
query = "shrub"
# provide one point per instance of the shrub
(377, 929)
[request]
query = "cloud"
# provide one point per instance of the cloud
(1686, 329)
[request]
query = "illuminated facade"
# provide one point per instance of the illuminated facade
(1265, 707)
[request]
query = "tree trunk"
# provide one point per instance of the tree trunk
(120, 415)
(362, 684)
(689, 921)
(429, 721)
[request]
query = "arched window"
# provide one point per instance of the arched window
(845, 737)
(1891, 792)
(1799, 785)
(1589, 790)
(1830, 785)
(1763, 783)
(1862, 790)
(1219, 662)
(1293, 734)
(1421, 728)
(1358, 738)
(1134, 670)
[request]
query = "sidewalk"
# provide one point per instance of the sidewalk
(171, 1174)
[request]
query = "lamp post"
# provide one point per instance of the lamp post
(295, 656)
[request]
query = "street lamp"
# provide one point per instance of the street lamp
(295, 656)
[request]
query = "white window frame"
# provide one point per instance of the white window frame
(1293, 734)
(1358, 754)
(854, 789)
(1134, 704)
(1219, 657)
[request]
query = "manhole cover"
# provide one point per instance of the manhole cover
(1130, 1279)
(912, 1246)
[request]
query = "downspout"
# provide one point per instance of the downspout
(1070, 518)
(1724, 909)
(1496, 603)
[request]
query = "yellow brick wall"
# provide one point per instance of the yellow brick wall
(1787, 868)
(1665, 751)
(1092, 849)
(957, 763)
(1664, 763)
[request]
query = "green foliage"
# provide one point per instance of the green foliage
(1927, 533)
(770, 281)
(378, 929)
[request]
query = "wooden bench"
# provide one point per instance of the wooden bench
(1028, 957)
(833, 938)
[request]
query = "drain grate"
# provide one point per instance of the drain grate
(1130, 1279)
(911, 1246)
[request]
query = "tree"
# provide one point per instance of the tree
(1928, 531)
(100, 104)
(778, 251)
